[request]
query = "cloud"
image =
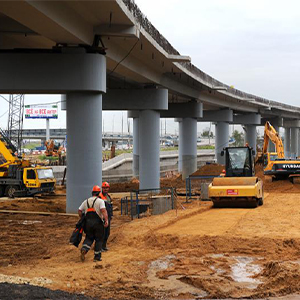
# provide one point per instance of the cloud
(253, 45)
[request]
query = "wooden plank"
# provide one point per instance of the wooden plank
(37, 213)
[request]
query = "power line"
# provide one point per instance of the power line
(4, 114)
(47, 103)
(4, 98)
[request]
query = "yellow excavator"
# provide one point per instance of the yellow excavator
(238, 187)
(275, 163)
(53, 149)
(17, 177)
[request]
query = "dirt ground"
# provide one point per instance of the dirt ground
(193, 252)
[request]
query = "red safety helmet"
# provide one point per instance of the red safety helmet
(105, 185)
(96, 188)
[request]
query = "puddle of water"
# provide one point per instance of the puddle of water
(244, 269)
(27, 222)
(217, 270)
(172, 283)
(296, 261)
(162, 263)
(217, 255)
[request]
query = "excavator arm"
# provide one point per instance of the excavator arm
(271, 134)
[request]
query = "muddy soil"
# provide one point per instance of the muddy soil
(192, 253)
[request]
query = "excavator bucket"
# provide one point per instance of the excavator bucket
(243, 192)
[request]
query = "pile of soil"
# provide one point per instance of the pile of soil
(56, 204)
(209, 170)
(128, 186)
(174, 181)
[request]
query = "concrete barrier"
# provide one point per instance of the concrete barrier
(119, 168)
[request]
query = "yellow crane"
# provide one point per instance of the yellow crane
(18, 177)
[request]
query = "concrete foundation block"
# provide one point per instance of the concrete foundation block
(161, 204)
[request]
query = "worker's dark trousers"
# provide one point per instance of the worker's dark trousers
(106, 234)
(94, 230)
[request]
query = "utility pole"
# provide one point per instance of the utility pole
(209, 133)
(122, 132)
(160, 130)
(128, 129)
(15, 119)
(48, 129)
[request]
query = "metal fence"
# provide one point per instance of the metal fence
(148, 202)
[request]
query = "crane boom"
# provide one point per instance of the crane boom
(7, 156)
(271, 134)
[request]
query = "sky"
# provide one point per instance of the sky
(252, 45)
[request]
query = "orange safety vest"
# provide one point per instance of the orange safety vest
(107, 197)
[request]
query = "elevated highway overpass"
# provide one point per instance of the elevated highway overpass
(106, 55)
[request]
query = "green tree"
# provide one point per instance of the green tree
(206, 133)
(239, 138)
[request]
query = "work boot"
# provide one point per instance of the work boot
(97, 257)
(104, 248)
(82, 255)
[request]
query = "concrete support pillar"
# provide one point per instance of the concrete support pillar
(250, 136)
(294, 142)
(180, 136)
(149, 169)
(188, 145)
(63, 103)
(84, 130)
(222, 138)
(298, 153)
(287, 141)
(271, 146)
(135, 154)
(47, 129)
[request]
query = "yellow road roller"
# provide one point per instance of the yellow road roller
(238, 187)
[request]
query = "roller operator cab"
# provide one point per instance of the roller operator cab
(239, 187)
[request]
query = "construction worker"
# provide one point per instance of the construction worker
(95, 214)
(109, 207)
